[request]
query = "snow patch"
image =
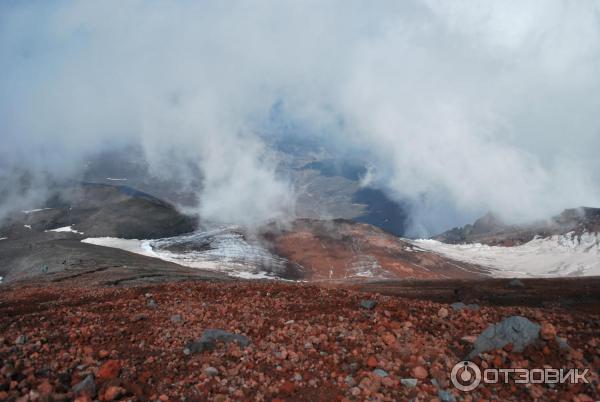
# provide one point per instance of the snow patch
(115, 179)
(3, 238)
(555, 256)
(1, 278)
(365, 266)
(64, 229)
(131, 245)
(222, 250)
(35, 210)
(28, 226)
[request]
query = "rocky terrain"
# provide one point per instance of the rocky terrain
(45, 243)
(111, 294)
(344, 250)
(275, 342)
(491, 230)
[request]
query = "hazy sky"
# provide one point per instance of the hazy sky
(462, 106)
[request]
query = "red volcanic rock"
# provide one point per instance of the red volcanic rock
(45, 388)
(113, 393)
(355, 354)
(372, 361)
(287, 387)
(109, 370)
(389, 338)
(547, 332)
(420, 372)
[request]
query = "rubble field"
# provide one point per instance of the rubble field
(277, 341)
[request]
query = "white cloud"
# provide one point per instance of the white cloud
(468, 105)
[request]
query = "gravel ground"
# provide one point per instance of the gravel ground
(306, 343)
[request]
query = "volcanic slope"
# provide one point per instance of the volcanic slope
(344, 250)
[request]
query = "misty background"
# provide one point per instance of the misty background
(457, 108)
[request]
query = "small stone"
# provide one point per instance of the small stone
(547, 331)
(445, 396)
(109, 370)
(442, 313)
(409, 382)
(535, 391)
(287, 387)
(368, 304)
(152, 303)
(163, 398)
(420, 372)
(45, 388)
(21, 339)
(103, 353)
(387, 382)
(562, 343)
(468, 340)
(211, 371)
(289, 322)
(380, 373)
(297, 377)
(139, 317)
(176, 318)
(86, 387)
(113, 393)
(372, 361)
(349, 380)
(389, 338)
(458, 306)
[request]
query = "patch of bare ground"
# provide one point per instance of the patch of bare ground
(306, 343)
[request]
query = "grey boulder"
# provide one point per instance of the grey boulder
(368, 304)
(409, 382)
(515, 283)
(460, 305)
(516, 330)
(210, 337)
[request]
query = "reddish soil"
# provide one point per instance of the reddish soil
(307, 343)
(343, 250)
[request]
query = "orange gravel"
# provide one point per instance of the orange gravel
(307, 343)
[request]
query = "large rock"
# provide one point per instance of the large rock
(516, 330)
(210, 337)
